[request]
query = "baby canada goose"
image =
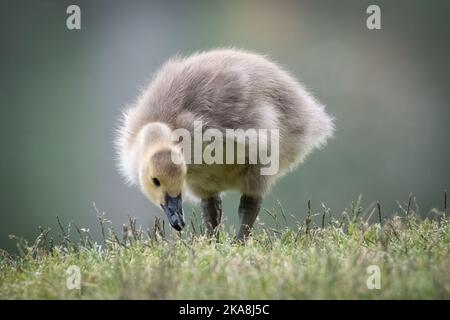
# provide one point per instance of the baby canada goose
(220, 91)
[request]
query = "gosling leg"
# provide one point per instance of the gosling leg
(248, 211)
(212, 214)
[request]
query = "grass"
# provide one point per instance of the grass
(324, 257)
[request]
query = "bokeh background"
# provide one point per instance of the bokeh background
(61, 93)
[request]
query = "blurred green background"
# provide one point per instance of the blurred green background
(61, 93)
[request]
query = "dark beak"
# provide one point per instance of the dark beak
(174, 211)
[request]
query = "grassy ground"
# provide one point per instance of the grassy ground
(326, 256)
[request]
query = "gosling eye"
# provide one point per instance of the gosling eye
(156, 182)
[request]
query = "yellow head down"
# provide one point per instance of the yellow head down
(162, 172)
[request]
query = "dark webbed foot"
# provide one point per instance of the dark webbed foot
(248, 211)
(212, 214)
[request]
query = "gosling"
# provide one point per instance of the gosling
(224, 89)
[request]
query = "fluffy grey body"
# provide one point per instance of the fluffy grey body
(227, 89)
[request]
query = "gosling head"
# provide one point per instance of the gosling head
(162, 174)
